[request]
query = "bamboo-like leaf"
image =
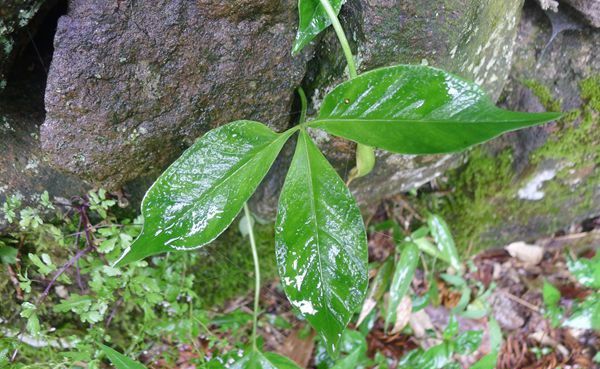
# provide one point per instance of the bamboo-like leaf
(202, 192)
(119, 360)
(414, 109)
(489, 361)
(268, 360)
(320, 243)
(313, 20)
(378, 287)
(444, 240)
(403, 275)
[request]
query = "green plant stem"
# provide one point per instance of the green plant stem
(339, 31)
(365, 154)
(303, 105)
(256, 275)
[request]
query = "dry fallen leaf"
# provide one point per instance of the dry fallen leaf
(530, 254)
(402, 314)
(298, 349)
(420, 323)
(368, 306)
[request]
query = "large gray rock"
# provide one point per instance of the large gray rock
(133, 83)
(24, 172)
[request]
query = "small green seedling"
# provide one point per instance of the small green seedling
(321, 244)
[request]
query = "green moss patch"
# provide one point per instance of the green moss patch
(225, 269)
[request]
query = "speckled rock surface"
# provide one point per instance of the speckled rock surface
(537, 181)
(134, 83)
(560, 66)
(590, 9)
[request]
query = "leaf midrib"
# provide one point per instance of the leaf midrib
(319, 122)
(305, 138)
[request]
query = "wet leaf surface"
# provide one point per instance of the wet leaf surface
(202, 192)
(413, 109)
(443, 238)
(313, 20)
(320, 243)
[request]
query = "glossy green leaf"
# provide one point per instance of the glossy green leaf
(382, 280)
(495, 334)
(586, 271)
(444, 240)
(119, 360)
(351, 341)
(403, 275)
(550, 294)
(8, 255)
(202, 192)
(585, 314)
(414, 109)
(313, 20)
(436, 357)
(365, 161)
(378, 286)
(268, 360)
(351, 361)
(467, 342)
(465, 297)
(321, 244)
(489, 360)
(451, 329)
(429, 248)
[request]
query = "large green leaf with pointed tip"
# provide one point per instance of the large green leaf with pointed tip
(313, 20)
(320, 244)
(268, 360)
(414, 109)
(201, 193)
(119, 360)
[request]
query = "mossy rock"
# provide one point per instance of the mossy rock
(494, 203)
(533, 183)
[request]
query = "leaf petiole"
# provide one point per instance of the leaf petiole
(256, 275)
(339, 31)
(365, 155)
(303, 105)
